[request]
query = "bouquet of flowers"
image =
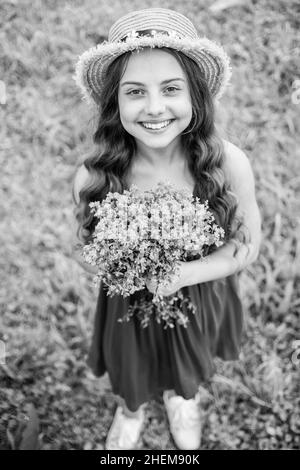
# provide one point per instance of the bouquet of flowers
(142, 235)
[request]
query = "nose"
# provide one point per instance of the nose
(155, 104)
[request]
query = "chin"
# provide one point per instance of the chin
(158, 142)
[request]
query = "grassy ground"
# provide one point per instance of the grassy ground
(48, 397)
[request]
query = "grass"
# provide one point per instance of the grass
(49, 398)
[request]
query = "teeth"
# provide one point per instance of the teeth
(156, 126)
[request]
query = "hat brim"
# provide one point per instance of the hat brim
(211, 58)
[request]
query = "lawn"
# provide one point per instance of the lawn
(49, 399)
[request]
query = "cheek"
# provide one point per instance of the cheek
(185, 107)
(123, 109)
(181, 107)
(128, 112)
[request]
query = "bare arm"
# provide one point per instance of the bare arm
(221, 263)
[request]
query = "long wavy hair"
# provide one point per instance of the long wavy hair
(114, 149)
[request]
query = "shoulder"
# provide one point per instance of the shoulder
(237, 166)
(80, 178)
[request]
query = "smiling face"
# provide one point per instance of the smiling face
(154, 99)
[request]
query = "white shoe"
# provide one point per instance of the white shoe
(124, 432)
(185, 420)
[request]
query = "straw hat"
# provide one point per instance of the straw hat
(152, 27)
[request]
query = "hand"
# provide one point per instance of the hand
(177, 282)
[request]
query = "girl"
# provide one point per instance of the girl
(155, 84)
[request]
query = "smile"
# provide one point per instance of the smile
(156, 126)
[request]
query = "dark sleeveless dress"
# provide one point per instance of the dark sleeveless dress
(143, 362)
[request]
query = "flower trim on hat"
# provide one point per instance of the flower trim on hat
(150, 33)
(107, 51)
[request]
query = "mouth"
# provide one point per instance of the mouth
(156, 127)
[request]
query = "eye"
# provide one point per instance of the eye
(132, 92)
(172, 87)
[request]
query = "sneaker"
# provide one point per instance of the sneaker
(185, 420)
(124, 432)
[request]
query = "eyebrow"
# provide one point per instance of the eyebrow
(162, 83)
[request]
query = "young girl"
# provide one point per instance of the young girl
(155, 84)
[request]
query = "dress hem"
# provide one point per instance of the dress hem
(154, 396)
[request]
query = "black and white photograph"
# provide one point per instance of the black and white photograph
(150, 252)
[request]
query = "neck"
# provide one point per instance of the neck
(160, 157)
